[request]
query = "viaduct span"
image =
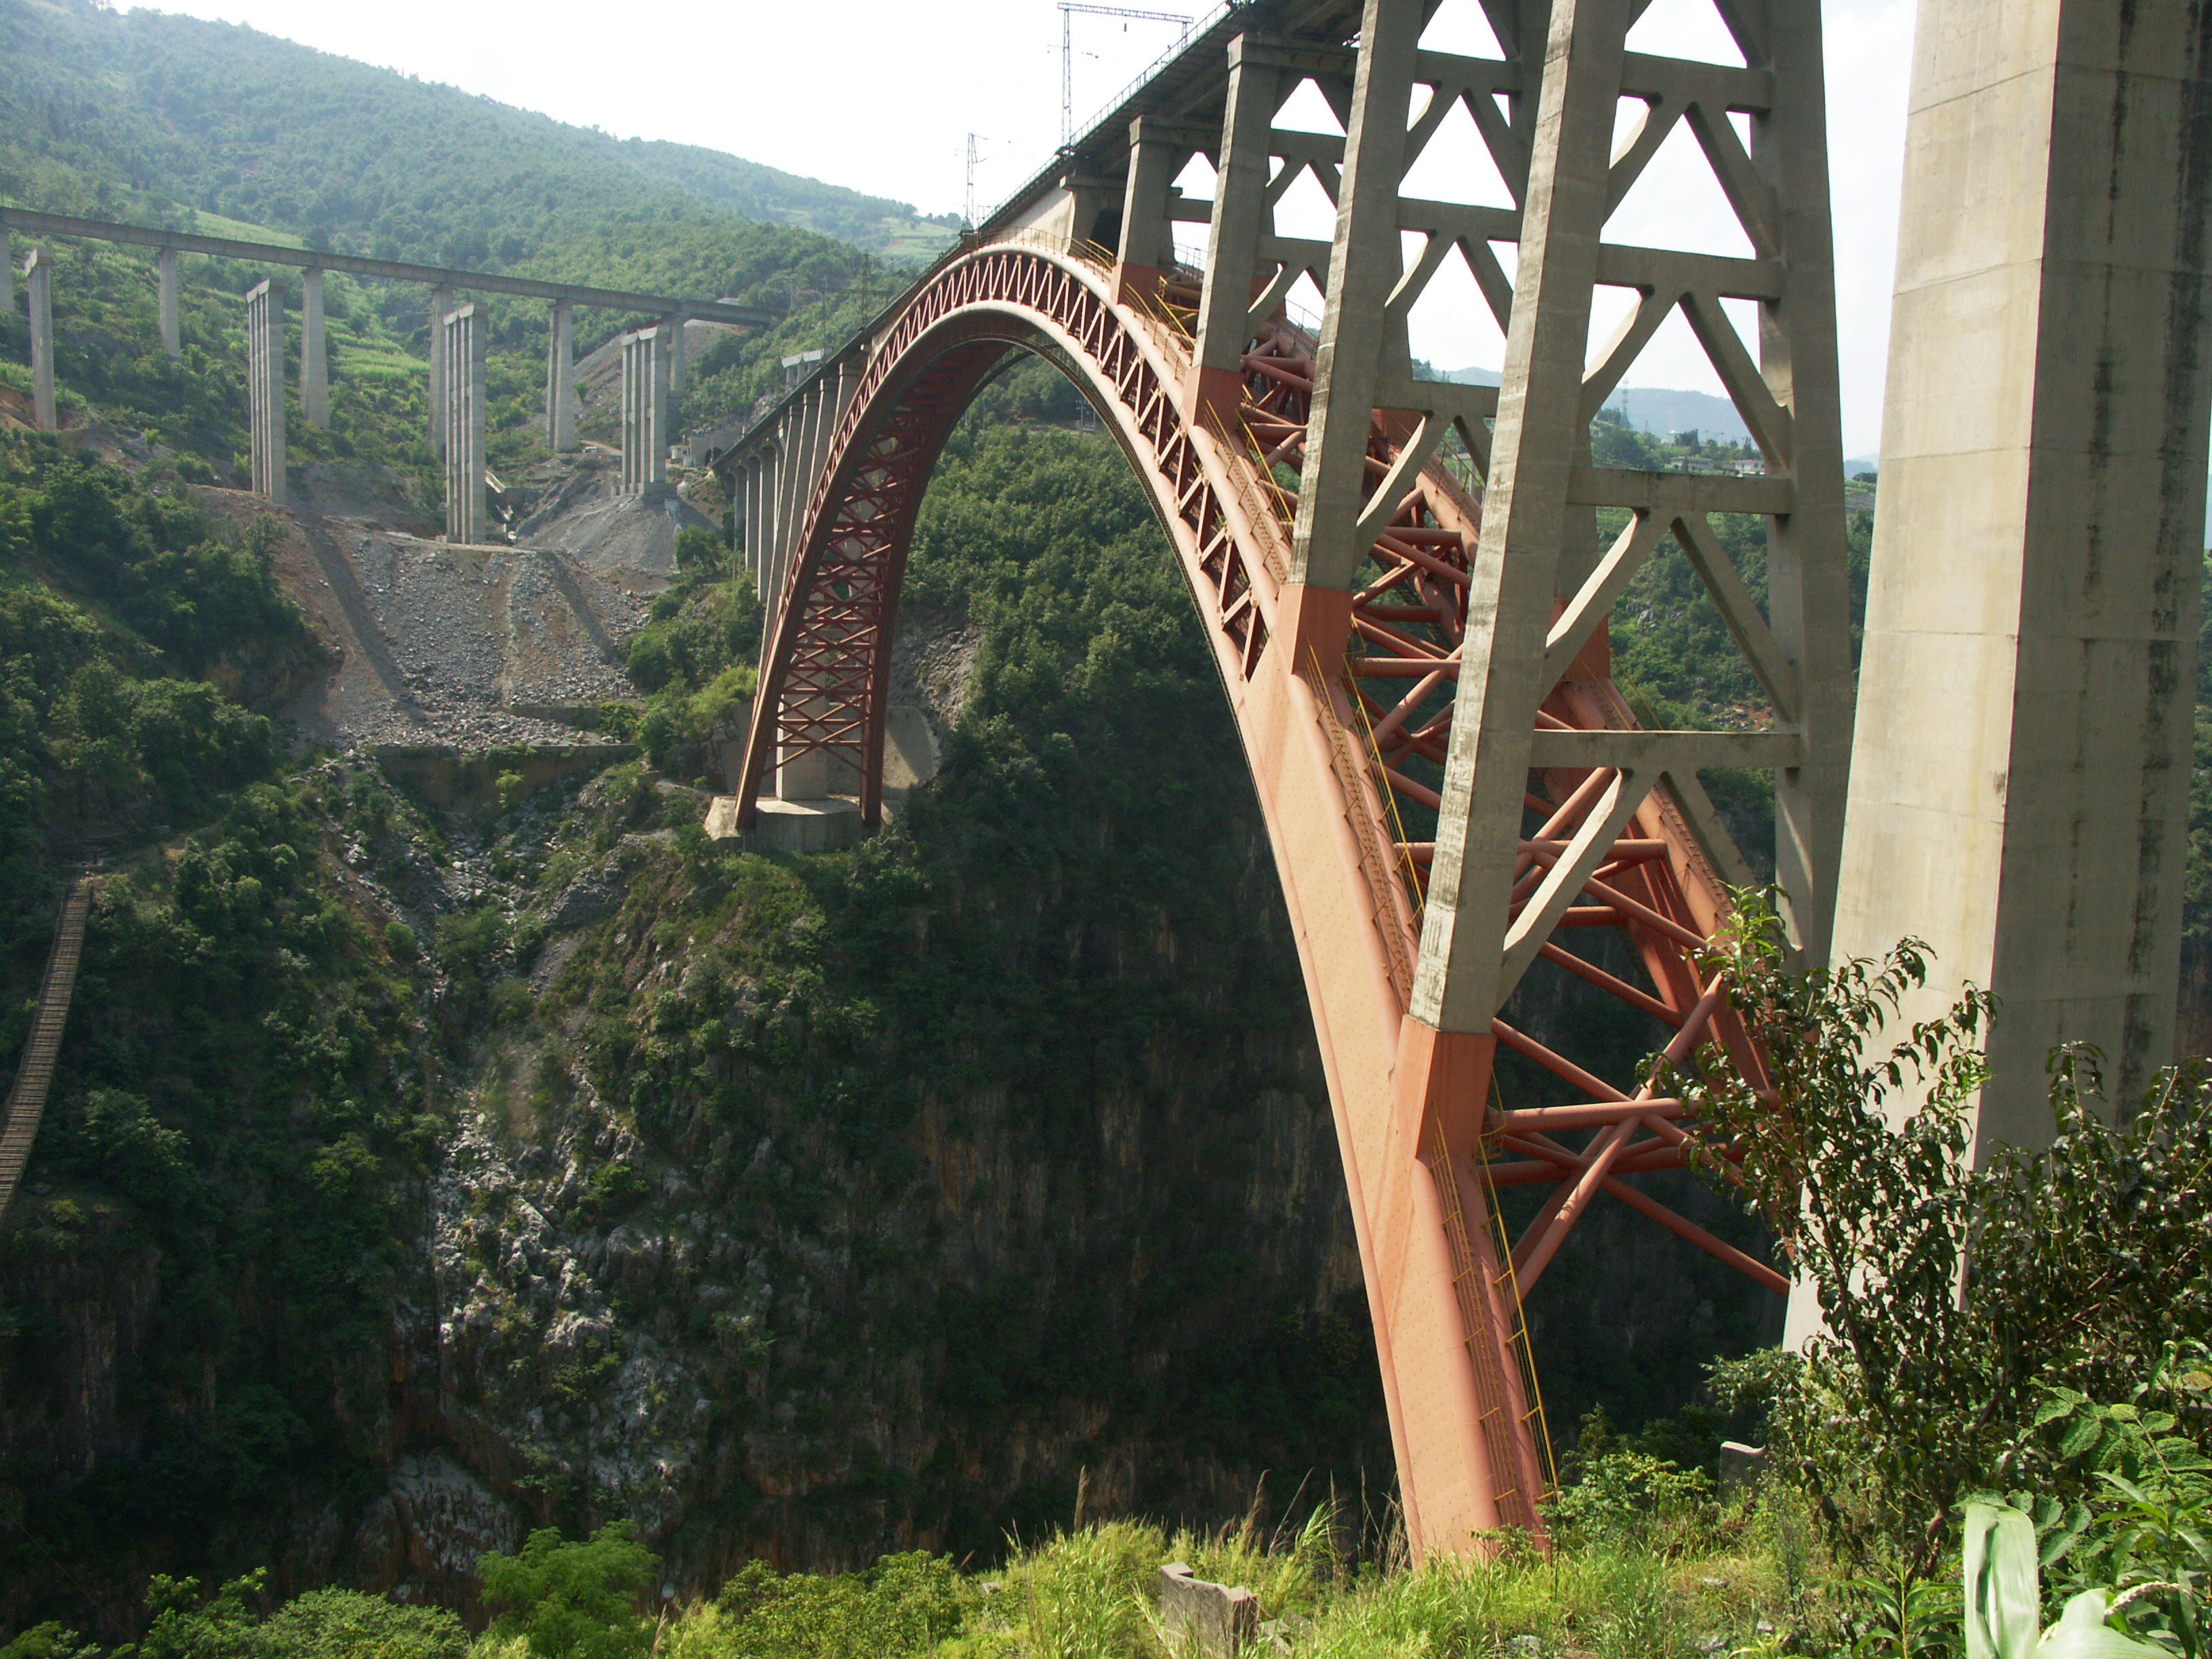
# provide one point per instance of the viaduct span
(652, 358)
(1406, 587)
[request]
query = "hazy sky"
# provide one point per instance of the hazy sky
(882, 97)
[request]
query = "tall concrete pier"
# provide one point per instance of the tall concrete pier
(315, 363)
(465, 341)
(2020, 787)
(6, 275)
(264, 386)
(644, 412)
(561, 381)
(172, 339)
(441, 304)
(755, 527)
(39, 278)
(672, 328)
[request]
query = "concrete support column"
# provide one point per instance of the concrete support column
(789, 455)
(1215, 385)
(465, 339)
(1365, 264)
(821, 417)
(771, 493)
(172, 339)
(39, 277)
(806, 773)
(265, 384)
(752, 527)
(561, 381)
(441, 301)
(1157, 150)
(644, 412)
(672, 336)
(805, 436)
(672, 326)
(7, 273)
(315, 363)
(2020, 783)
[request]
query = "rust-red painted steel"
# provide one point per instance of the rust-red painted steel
(1329, 744)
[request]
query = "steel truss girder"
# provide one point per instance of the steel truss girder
(1377, 627)
(1483, 657)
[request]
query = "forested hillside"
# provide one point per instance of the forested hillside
(417, 1176)
(166, 112)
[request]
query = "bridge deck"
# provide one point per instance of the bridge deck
(480, 281)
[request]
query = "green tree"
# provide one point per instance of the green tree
(343, 1624)
(185, 1627)
(1955, 1299)
(573, 1600)
(51, 1640)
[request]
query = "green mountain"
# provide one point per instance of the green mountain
(101, 109)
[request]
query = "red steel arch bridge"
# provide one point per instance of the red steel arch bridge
(1406, 586)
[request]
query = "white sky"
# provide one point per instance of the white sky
(882, 96)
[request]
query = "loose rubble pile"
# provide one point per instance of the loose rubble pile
(468, 647)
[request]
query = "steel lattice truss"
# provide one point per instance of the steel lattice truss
(1353, 564)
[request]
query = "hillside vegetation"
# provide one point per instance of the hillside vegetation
(424, 1186)
(168, 113)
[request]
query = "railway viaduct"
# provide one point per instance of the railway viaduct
(653, 357)
(1406, 581)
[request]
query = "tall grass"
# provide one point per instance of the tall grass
(1753, 1584)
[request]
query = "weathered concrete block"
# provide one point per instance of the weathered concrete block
(806, 826)
(1740, 1466)
(1207, 1618)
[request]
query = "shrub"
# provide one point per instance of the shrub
(185, 1627)
(2078, 1263)
(1632, 1497)
(573, 1600)
(342, 1624)
(904, 1604)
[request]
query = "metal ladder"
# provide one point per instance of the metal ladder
(35, 1070)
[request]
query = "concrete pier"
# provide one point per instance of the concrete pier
(441, 303)
(2019, 786)
(314, 362)
(39, 278)
(465, 341)
(561, 380)
(753, 526)
(644, 410)
(672, 326)
(264, 385)
(172, 339)
(7, 274)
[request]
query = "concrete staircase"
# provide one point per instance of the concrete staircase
(35, 1070)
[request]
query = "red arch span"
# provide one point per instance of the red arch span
(1330, 758)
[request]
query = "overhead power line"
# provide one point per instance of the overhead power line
(1067, 10)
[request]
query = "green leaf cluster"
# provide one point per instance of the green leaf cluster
(572, 1600)
(1956, 1297)
(903, 1605)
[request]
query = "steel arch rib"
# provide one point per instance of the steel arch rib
(1329, 758)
